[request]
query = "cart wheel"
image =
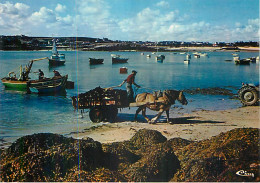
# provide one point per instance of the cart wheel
(96, 115)
(110, 113)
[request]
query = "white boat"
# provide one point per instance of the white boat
(115, 55)
(257, 58)
(203, 54)
(236, 58)
(197, 56)
(148, 56)
(182, 53)
(186, 61)
(56, 58)
(188, 56)
(142, 53)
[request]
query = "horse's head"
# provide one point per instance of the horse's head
(182, 99)
(172, 95)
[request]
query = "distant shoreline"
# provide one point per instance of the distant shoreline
(165, 49)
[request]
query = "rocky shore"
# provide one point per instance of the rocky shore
(147, 156)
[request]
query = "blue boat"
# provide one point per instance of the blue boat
(50, 85)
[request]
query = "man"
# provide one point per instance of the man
(41, 74)
(56, 73)
(130, 80)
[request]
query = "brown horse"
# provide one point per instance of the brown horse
(164, 103)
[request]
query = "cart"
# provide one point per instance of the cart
(102, 103)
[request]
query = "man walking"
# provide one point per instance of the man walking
(130, 80)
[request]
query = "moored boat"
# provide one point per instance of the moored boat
(159, 58)
(56, 59)
(186, 61)
(117, 60)
(95, 61)
(242, 62)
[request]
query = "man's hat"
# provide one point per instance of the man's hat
(134, 71)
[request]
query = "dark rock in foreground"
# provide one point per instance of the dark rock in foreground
(147, 156)
(220, 158)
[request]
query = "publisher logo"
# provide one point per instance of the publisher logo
(244, 173)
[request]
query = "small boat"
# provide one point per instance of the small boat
(20, 82)
(252, 59)
(142, 53)
(188, 56)
(242, 62)
(182, 53)
(117, 60)
(159, 58)
(186, 61)
(95, 61)
(56, 59)
(257, 58)
(123, 70)
(197, 56)
(115, 55)
(148, 56)
(49, 85)
(236, 58)
(203, 54)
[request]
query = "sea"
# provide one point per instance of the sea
(25, 114)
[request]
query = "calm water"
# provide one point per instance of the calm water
(22, 114)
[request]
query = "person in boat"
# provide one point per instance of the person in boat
(130, 80)
(41, 74)
(56, 73)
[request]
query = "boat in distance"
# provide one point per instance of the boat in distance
(56, 58)
(95, 61)
(118, 60)
(242, 62)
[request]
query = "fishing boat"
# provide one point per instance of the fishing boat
(117, 60)
(242, 62)
(12, 81)
(95, 61)
(49, 85)
(56, 59)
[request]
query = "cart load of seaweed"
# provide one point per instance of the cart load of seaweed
(100, 97)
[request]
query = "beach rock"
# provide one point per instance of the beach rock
(220, 158)
(147, 157)
(49, 157)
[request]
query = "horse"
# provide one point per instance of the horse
(159, 103)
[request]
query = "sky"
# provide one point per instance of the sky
(133, 20)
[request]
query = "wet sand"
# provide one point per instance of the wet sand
(196, 126)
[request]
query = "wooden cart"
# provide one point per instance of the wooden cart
(102, 103)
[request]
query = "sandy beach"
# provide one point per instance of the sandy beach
(196, 126)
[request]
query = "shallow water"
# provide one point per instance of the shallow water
(23, 114)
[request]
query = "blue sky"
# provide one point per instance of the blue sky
(145, 20)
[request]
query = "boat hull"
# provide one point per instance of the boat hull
(94, 61)
(53, 62)
(116, 60)
(14, 84)
(49, 85)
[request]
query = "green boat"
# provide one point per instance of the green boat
(20, 82)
